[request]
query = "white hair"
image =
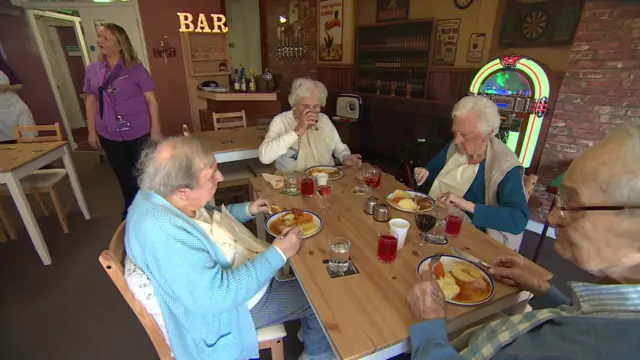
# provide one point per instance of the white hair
(624, 189)
(174, 163)
(305, 87)
(486, 111)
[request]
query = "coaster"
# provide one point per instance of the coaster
(290, 192)
(351, 270)
(434, 239)
(356, 190)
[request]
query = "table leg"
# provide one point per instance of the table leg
(22, 203)
(75, 183)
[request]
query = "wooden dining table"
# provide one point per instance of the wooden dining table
(367, 315)
(234, 144)
(20, 160)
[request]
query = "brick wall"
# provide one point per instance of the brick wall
(287, 70)
(601, 89)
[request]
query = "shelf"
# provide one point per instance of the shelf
(214, 59)
(391, 70)
(211, 74)
(234, 96)
(394, 50)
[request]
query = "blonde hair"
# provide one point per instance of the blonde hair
(129, 56)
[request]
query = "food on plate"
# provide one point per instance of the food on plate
(462, 282)
(295, 217)
(274, 209)
(410, 201)
(332, 172)
(407, 204)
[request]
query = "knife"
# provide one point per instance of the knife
(465, 255)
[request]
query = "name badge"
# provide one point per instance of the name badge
(121, 124)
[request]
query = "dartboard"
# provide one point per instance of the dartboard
(534, 24)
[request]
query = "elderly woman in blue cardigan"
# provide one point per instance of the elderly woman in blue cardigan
(207, 302)
(479, 174)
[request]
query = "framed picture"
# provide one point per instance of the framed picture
(330, 20)
(392, 10)
(446, 46)
(476, 47)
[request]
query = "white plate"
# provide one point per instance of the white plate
(327, 168)
(413, 195)
(447, 261)
(316, 220)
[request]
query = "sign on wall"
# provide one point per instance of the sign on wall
(202, 26)
(392, 10)
(330, 34)
(444, 51)
(476, 47)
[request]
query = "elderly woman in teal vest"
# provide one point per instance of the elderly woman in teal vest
(479, 174)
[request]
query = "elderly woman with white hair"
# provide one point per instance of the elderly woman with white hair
(206, 282)
(479, 174)
(303, 136)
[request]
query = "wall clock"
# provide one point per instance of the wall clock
(462, 4)
(534, 24)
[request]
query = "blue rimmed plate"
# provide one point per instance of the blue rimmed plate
(334, 172)
(307, 230)
(449, 261)
(413, 195)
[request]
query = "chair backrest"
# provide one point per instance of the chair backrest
(112, 261)
(530, 184)
(241, 120)
(18, 130)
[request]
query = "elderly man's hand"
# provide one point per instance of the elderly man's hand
(426, 299)
(290, 243)
(509, 270)
(260, 205)
(456, 201)
(421, 175)
(353, 160)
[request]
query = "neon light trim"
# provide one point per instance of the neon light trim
(541, 88)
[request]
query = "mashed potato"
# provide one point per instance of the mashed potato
(448, 286)
(407, 204)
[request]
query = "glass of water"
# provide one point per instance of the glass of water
(339, 255)
(290, 182)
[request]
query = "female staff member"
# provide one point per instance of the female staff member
(122, 111)
(13, 111)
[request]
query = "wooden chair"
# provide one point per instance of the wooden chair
(241, 120)
(112, 261)
(41, 181)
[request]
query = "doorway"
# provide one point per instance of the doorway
(243, 18)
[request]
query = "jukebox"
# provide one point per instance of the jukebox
(520, 88)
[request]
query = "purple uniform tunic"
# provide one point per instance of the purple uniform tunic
(124, 98)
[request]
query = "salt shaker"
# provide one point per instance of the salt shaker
(369, 204)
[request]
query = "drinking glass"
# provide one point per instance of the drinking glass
(361, 188)
(454, 223)
(339, 255)
(430, 224)
(387, 246)
(307, 186)
(290, 182)
(370, 178)
(324, 190)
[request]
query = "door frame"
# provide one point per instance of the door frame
(31, 20)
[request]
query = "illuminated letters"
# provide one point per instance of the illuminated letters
(186, 23)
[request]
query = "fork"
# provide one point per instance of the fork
(434, 261)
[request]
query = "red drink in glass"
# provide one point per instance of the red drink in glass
(379, 177)
(370, 180)
(387, 246)
(454, 223)
(307, 186)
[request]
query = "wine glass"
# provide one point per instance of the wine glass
(426, 221)
(324, 190)
(370, 178)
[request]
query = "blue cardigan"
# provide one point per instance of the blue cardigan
(202, 299)
(511, 215)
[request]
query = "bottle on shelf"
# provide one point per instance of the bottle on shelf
(236, 80)
(252, 81)
(243, 79)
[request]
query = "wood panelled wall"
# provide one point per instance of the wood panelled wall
(337, 77)
(449, 84)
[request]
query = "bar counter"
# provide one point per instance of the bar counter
(259, 107)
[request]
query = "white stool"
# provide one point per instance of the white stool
(271, 337)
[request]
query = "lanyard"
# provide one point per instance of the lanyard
(106, 86)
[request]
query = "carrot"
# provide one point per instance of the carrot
(439, 272)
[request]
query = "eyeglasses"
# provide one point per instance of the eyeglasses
(564, 209)
(315, 108)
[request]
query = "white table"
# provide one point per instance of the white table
(20, 160)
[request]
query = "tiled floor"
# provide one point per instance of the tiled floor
(71, 310)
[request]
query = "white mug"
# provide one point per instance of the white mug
(400, 227)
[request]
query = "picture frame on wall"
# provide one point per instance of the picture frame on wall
(476, 47)
(330, 20)
(446, 42)
(392, 10)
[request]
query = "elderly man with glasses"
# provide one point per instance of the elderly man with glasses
(597, 221)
